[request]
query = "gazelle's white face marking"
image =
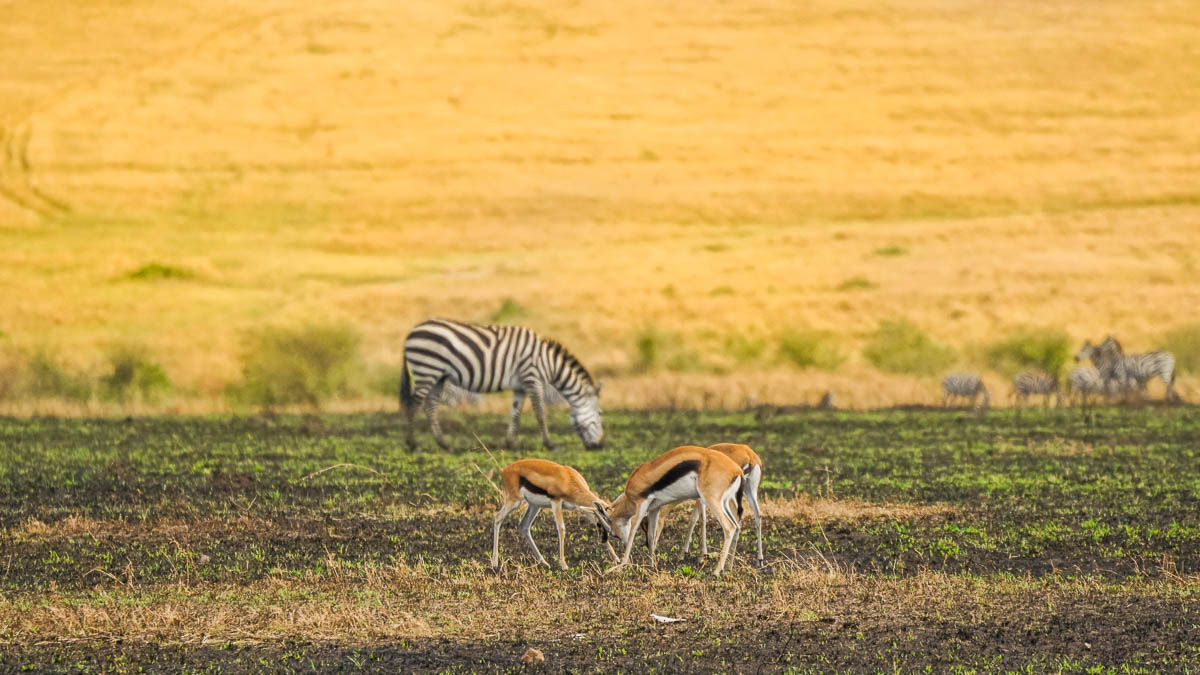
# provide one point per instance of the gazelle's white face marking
(585, 417)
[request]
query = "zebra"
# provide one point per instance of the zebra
(966, 385)
(1030, 382)
(1109, 359)
(1085, 381)
(483, 358)
(1122, 372)
(1144, 367)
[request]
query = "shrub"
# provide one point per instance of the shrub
(856, 284)
(1045, 349)
(509, 310)
(45, 377)
(891, 251)
(745, 349)
(132, 373)
(303, 365)
(901, 347)
(1184, 343)
(647, 348)
(810, 349)
(157, 271)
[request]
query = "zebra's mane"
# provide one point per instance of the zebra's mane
(570, 360)
(1111, 343)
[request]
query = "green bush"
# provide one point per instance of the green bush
(810, 349)
(1184, 343)
(132, 373)
(891, 251)
(901, 347)
(1045, 349)
(306, 365)
(510, 310)
(45, 377)
(158, 272)
(856, 284)
(745, 349)
(647, 349)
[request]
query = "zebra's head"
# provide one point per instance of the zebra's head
(1088, 351)
(585, 417)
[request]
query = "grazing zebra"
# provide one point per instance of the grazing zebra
(1085, 381)
(1031, 382)
(966, 385)
(485, 359)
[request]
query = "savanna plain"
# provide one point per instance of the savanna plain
(900, 540)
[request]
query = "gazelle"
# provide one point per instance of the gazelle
(685, 473)
(540, 484)
(752, 470)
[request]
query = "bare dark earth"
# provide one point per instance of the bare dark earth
(1098, 514)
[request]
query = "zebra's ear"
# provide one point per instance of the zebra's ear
(599, 386)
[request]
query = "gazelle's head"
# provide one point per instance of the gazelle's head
(618, 516)
(585, 417)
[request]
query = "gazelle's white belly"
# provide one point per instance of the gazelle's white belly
(535, 499)
(681, 490)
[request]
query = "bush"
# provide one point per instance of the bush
(901, 347)
(891, 251)
(305, 365)
(647, 348)
(856, 284)
(132, 373)
(1184, 343)
(1046, 349)
(509, 310)
(745, 349)
(810, 349)
(46, 378)
(158, 272)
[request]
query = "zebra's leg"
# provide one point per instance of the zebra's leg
(945, 399)
(410, 435)
(510, 436)
(430, 404)
(537, 396)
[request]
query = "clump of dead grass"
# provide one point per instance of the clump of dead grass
(821, 510)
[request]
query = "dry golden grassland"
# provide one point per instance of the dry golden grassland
(707, 170)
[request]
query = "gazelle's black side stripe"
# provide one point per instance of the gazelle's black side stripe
(530, 487)
(678, 471)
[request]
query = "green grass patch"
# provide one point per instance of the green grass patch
(891, 251)
(159, 272)
(307, 365)
(510, 310)
(808, 348)
(1184, 343)
(856, 284)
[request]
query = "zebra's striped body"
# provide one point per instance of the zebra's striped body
(1142, 368)
(484, 359)
(1030, 382)
(964, 385)
(1085, 381)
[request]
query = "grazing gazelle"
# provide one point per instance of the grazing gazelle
(685, 473)
(752, 470)
(541, 483)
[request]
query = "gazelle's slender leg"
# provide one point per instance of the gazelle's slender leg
(728, 523)
(504, 511)
(752, 496)
(557, 509)
(510, 436)
(633, 527)
(526, 522)
(430, 404)
(652, 533)
(687, 543)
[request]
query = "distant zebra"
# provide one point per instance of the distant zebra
(1084, 381)
(486, 359)
(1142, 368)
(1109, 359)
(1121, 372)
(965, 385)
(1030, 382)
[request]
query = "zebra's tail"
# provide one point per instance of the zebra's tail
(407, 399)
